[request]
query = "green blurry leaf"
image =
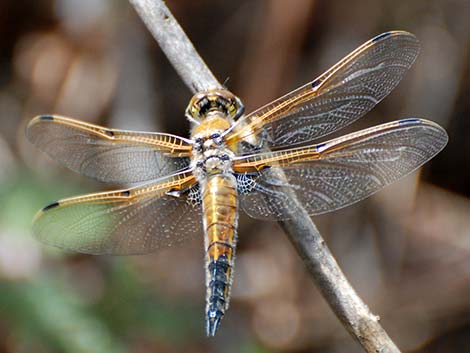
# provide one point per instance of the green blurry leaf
(44, 309)
(131, 309)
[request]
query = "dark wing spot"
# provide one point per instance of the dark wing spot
(316, 83)
(126, 193)
(51, 205)
(174, 193)
(381, 36)
(409, 121)
(110, 133)
(46, 117)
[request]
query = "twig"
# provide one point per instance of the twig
(348, 307)
(337, 291)
(176, 45)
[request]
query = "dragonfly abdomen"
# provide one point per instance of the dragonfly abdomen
(220, 205)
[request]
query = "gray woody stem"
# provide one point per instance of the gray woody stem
(336, 289)
(176, 45)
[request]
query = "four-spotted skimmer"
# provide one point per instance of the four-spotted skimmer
(186, 187)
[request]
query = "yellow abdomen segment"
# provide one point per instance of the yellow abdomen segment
(220, 206)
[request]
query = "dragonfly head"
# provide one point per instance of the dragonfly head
(216, 101)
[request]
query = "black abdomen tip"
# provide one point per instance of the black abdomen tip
(51, 205)
(213, 322)
(218, 289)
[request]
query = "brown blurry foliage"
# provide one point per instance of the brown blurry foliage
(406, 250)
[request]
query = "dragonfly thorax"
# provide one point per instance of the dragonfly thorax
(214, 113)
(211, 155)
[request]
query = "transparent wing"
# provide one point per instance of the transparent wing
(338, 173)
(109, 155)
(123, 222)
(341, 95)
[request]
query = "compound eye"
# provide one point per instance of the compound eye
(222, 103)
(215, 136)
(204, 106)
(203, 102)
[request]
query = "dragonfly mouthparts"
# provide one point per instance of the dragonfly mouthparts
(213, 322)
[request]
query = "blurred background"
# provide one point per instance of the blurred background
(406, 250)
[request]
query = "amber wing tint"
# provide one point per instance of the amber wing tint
(340, 172)
(109, 155)
(341, 95)
(130, 221)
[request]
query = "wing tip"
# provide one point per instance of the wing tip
(382, 36)
(45, 117)
(428, 124)
(50, 206)
(408, 121)
(36, 120)
(39, 118)
(393, 33)
(49, 118)
(420, 121)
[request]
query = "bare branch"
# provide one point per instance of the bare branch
(336, 289)
(348, 307)
(176, 45)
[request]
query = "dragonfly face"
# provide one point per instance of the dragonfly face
(188, 187)
(215, 100)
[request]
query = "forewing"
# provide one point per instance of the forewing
(132, 221)
(109, 155)
(340, 96)
(338, 173)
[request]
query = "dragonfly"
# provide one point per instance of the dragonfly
(265, 163)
